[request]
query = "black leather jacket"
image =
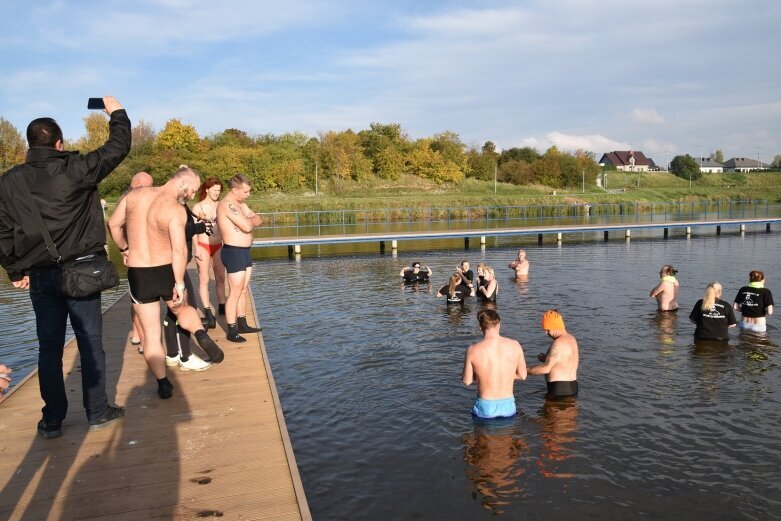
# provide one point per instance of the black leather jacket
(64, 186)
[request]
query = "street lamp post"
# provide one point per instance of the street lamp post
(583, 174)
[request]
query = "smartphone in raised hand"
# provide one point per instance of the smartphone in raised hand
(95, 104)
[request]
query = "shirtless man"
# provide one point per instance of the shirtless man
(494, 363)
(520, 265)
(236, 222)
(666, 292)
(139, 180)
(560, 363)
(155, 252)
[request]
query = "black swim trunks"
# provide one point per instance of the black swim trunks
(149, 285)
(561, 389)
(236, 258)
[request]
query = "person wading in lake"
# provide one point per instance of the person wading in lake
(494, 363)
(666, 292)
(236, 222)
(755, 302)
(520, 265)
(712, 315)
(560, 363)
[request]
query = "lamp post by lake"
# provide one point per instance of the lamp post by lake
(583, 174)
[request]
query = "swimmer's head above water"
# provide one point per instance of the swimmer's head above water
(667, 271)
(552, 321)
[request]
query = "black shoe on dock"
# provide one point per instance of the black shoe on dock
(207, 344)
(233, 334)
(246, 328)
(113, 414)
(50, 429)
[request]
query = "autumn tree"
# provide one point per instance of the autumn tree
(428, 163)
(96, 126)
(178, 136)
(12, 146)
(341, 156)
(527, 154)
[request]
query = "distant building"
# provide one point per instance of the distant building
(744, 164)
(626, 160)
(709, 165)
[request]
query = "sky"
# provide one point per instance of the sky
(665, 77)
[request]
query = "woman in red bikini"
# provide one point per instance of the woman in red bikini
(205, 248)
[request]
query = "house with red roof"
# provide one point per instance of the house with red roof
(627, 160)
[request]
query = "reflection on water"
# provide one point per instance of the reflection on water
(666, 323)
(492, 453)
(559, 429)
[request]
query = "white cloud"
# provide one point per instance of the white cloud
(646, 117)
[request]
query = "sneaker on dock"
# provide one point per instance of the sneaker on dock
(114, 413)
(194, 363)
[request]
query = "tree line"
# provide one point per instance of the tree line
(289, 162)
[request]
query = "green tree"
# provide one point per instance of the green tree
(685, 167)
(231, 137)
(178, 136)
(516, 171)
(480, 164)
(776, 161)
(717, 156)
(527, 154)
(449, 145)
(13, 146)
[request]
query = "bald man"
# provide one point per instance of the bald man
(141, 180)
(156, 251)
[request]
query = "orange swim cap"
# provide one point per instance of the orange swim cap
(552, 321)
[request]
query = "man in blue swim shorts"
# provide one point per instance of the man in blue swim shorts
(494, 363)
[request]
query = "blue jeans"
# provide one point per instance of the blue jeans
(51, 312)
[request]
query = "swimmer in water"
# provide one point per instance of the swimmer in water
(666, 292)
(490, 288)
(755, 303)
(414, 274)
(495, 362)
(520, 265)
(712, 315)
(455, 290)
(560, 363)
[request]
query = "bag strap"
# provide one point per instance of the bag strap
(27, 197)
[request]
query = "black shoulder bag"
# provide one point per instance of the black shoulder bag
(79, 277)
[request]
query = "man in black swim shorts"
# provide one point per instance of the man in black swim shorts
(236, 222)
(560, 363)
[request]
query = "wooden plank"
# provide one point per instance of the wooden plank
(219, 445)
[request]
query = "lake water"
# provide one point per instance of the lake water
(369, 378)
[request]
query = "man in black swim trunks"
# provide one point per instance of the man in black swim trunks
(560, 363)
(154, 240)
(236, 222)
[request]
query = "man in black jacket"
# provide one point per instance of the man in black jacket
(63, 186)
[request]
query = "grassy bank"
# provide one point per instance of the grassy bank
(413, 192)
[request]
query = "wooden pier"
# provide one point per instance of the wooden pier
(218, 449)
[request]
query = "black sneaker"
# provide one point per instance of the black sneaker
(113, 414)
(209, 346)
(50, 429)
(165, 389)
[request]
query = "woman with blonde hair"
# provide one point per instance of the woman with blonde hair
(712, 315)
(490, 287)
